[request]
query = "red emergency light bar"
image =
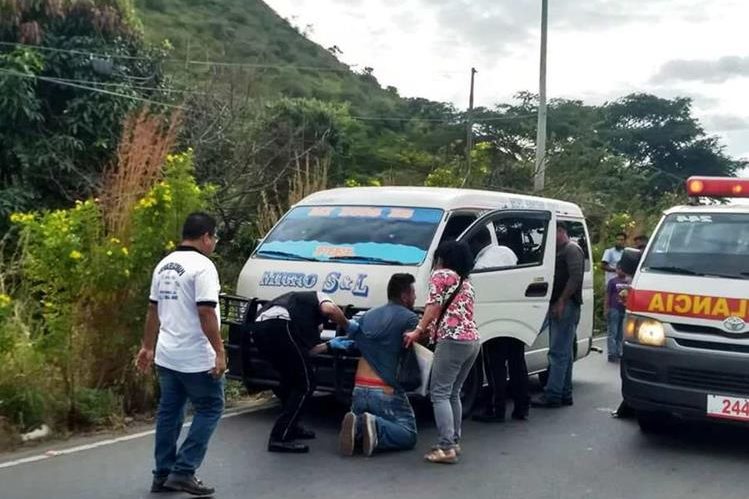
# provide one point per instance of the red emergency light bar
(718, 187)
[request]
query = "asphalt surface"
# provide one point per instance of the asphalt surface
(573, 452)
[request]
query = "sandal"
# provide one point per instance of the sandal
(441, 456)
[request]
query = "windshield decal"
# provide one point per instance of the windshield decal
(702, 307)
(406, 255)
(420, 215)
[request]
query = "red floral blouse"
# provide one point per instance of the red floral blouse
(457, 323)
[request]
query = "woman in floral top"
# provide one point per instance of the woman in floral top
(457, 341)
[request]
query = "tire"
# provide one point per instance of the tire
(471, 392)
(653, 423)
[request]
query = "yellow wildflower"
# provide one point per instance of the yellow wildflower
(125, 251)
(109, 253)
(170, 246)
(114, 240)
(127, 273)
(75, 255)
(5, 300)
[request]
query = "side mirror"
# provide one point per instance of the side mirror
(630, 260)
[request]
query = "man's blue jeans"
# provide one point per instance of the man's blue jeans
(206, 394)
(615, 319)
(395, 419)
(561, 343)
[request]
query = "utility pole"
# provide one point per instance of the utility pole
(540, 170)
(469, 129)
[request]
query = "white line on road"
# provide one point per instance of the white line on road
(55, 453)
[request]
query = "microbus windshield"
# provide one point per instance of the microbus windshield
(709, 244)
(353, 234)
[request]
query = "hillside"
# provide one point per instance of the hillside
(250, 32)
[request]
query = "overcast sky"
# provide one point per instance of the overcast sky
(598, 50)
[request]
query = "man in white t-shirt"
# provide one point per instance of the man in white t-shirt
(612, 256)
(183, 339)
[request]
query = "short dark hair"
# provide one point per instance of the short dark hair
(641, 237)
(621, 234)
(563, 226)
(197, 225)
(456, 256)
(399, 284)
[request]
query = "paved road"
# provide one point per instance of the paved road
(573, 452)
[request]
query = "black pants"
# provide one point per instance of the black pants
(277, 344)
(501, 355)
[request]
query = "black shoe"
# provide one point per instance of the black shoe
(158, 487)
(568, 402)
(190, 484)
(302, 433)
(489, 416)
(545, 403)
(287, 447)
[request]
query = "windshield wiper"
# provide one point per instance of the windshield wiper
(675, 270)
(370, 259)
(286, 254)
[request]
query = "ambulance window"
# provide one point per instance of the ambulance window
(576, 230)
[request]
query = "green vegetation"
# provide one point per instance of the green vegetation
(98, 169)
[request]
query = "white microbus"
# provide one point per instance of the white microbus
(348, 242)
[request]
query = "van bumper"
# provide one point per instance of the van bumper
(677, 380)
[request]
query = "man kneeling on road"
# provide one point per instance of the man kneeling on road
(381, 416)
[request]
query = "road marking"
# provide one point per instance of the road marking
(103, 443)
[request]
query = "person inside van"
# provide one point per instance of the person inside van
(381, 417)
(494, 256)
(285, 332)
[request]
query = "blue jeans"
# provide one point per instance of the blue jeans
(206, 394)
(395, 419)
(561, 343)
(615, 319)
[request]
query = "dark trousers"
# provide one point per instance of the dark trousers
(277, 344)
(500, 356)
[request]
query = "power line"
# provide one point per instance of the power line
(92, 89)
(89, 86)
(193, 62)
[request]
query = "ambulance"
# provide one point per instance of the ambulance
(348, 242)
(686, 348)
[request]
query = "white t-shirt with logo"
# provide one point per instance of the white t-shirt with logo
(612, 256)
(181, 281)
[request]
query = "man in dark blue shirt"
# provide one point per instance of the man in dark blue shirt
(381, 416)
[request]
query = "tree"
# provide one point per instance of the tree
(663, 142)
(69, 73)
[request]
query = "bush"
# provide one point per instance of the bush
(93, 407)
(68, 357)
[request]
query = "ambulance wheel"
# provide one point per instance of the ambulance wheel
(471, 392)
(653, 422)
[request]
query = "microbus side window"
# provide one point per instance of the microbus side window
(525, 236)
(457, 223)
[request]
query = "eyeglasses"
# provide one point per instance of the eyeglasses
(215, 238)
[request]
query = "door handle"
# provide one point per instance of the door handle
(537, 290)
